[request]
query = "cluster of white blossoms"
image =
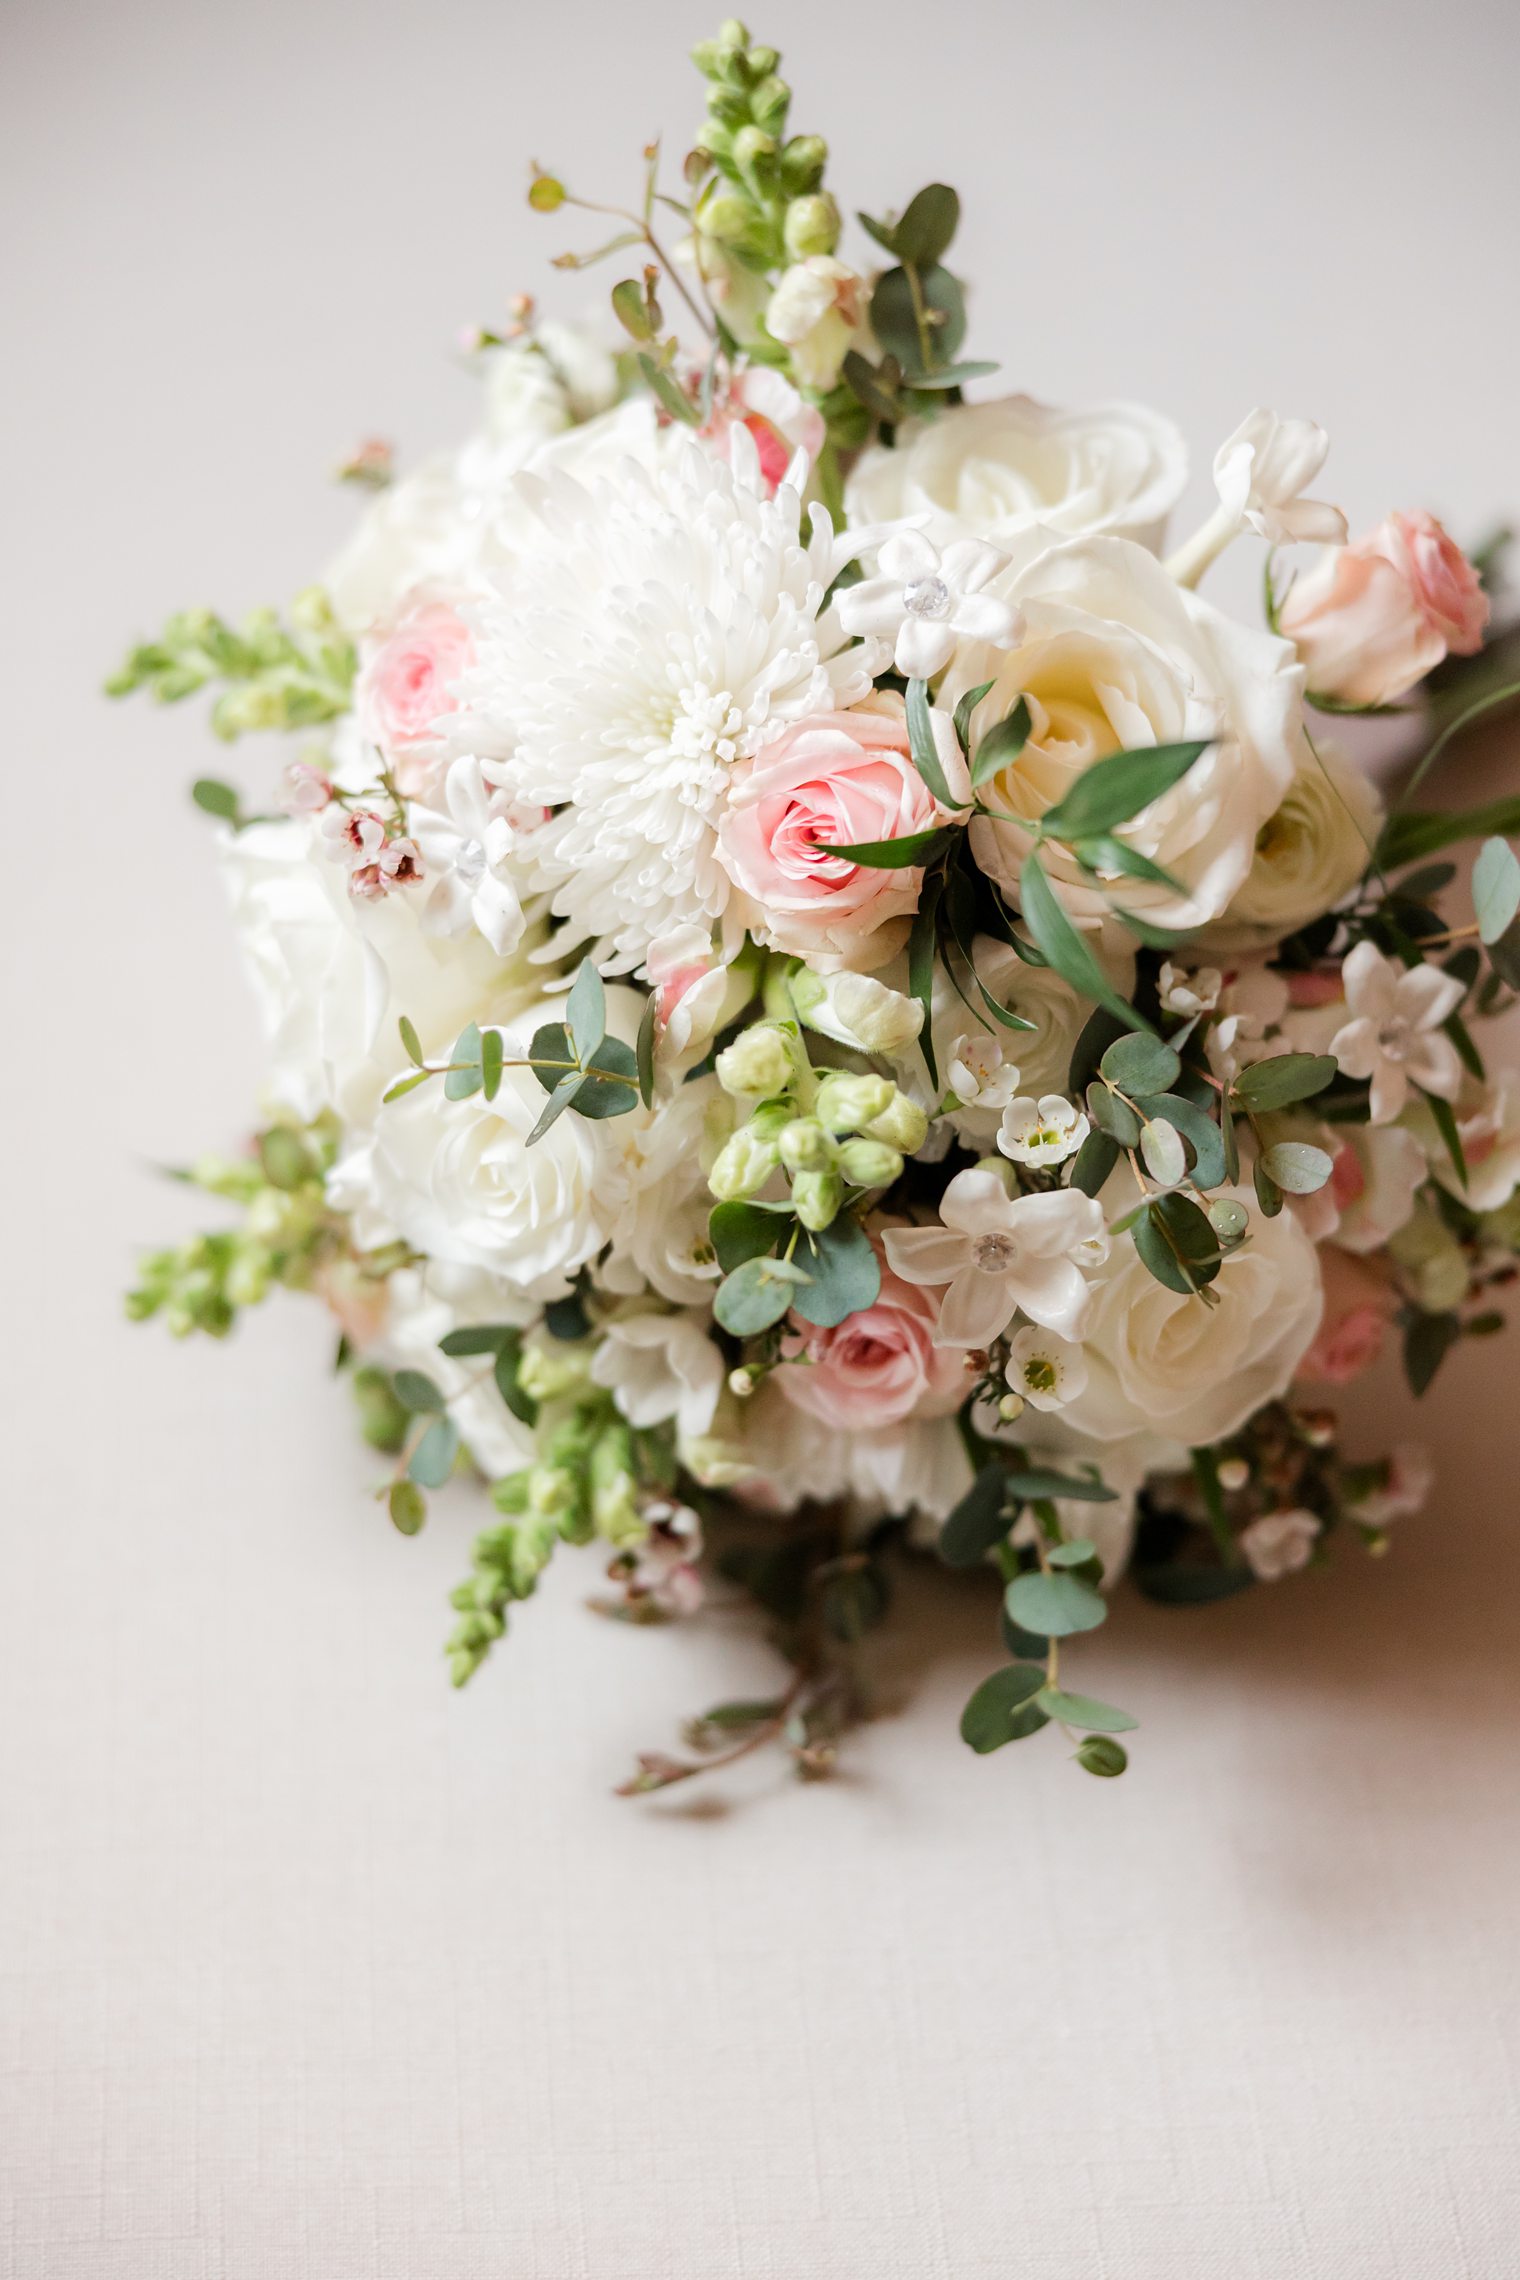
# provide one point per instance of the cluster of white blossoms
(834, 974)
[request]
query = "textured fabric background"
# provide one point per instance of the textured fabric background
(311, 1970)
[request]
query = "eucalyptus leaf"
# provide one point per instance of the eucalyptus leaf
(1495, 888)
(613, 1087)
(410, 1042)
(1284, 1079)
(1054, 1605)
(433, 1457)
(416, 1391)
(757, 1294)
(1162, 1151)
(1083, 1711)
(464, 1079)
(1210, 1162)
(586, 1011)
(490, 1062)
(552, 1055)
(1095, 1160)
(644, 1049)
(743, 1231)
(1296, 1167)
(1140, 1064)
(1103, 1757)
(1428, 1339)
(215, 798)
(923, 232)
(843, 1273)
(1002, 1708)
(981, 1519)
(1035, 1484)
(678, 404)
(407, 1507)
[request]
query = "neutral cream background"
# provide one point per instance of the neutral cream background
(310, 1970)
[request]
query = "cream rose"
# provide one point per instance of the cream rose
(1310, 851)
(458, 1181)
(1161, 1363)
(332, 975)
(993, 471)
(1116, 655)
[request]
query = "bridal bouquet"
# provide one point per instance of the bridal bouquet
(822, 999)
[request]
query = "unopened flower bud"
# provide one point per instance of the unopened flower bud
(902, 1124)
(548, 1369)
(248, 1278)
(1318, 1427)
(812, 225)
(732, 34)
(724, 216)
(1234, 1472)
(758, 1061)
(806, 1147)
(1011, 1408)
(869, 1163)
(768, 104)
(752, 146)
(816, 1197)
(802, 163)
(743, 1166)
(762, 61)
(741, 1383)
(847, 1104)
(551, 1491)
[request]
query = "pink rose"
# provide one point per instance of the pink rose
(1359, 1304)
(406, 687)
(1370, 620)
(839, 779)
(877, 1366)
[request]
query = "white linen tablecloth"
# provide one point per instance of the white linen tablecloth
(313, 1970)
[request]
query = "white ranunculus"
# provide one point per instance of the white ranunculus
(332, 976)
(1161, 1363)
(992, 471)
(1115, 655)
(425, 1304)
(1309, 853)
(458, 1180)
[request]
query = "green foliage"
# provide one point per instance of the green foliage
(1054, 1605)
(1064, 948)
(1003, 1708)
(1115, 789)
(1496, 889)
(275, 676)
(1284, 1079)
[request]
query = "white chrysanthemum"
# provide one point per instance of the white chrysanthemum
(672, 625)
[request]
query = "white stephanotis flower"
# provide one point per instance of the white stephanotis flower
(470, 854)
(1261, 473)
(1044, 1369)
(994, 471)
(999, 1253)
(1394, 1035)
(673, 625)
(1042, 1132)
(924, 601)
(661, 1366)
(1114, 656)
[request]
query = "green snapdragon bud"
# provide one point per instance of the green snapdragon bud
(511, 1492)
(758, 1061)
(248, 1277)
(803, 160)
(553, 1491)
(806, 1147)
(902, 1125)
(752, 147)
(744, 1164)
(725, 216)
(382, 1420)
(552, 1370)
(816, 1197)
(812, 225)
(614, 1487)
(768, 103)
(848, 1104)
(869, 1163)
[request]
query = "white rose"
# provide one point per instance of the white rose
(457, 1179)
(1161, 1363)
(1116, 655)
(332, 976)
(425, 1304)
(1309, 853)
(994, 470)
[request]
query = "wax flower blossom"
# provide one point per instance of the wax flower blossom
(820, 991)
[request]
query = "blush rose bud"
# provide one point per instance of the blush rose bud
(1372, 619)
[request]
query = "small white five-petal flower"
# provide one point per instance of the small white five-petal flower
(1044, 1131)
(924, 601)
(1045, 1369)
(468, 846)
(1000, 1253)
(1394, 1035)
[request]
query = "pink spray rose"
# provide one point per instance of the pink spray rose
(1372, 619)
(1359, 1305)
(406, 688)
(839, 779)
(878, 1366)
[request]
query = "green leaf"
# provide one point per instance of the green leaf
(954, 375)
(853, 1603)
(1177, 1244)
(629, 309)
(1101, 1756)
(1054, 1605)
(556, 1104)
(1426, 831)
(1428, 1339)
(1284, 1079)
(1495, 889)
(644, 1049)
(913, 849)
(410, 1043)
(566, 1318)
(843, 1273)
(613, 1088)
(433, 1457)
(509, 1384)
(679, 405)
(882, 232)
(1001, 746)
(1096, 1158)
(757, 1294)
(490, 1062)
(407, 1506)
(980, 1520)
(1082, 1710)
(464, 1080)
(416, 1391)
(963, 711)
(894, 319)
(1078, 1552)
(960, 909)
(1113, 1117)
(404, 1085)
(586, 1011)
(872, 389)
(1033, 1484)
(1268, 1193)
(479, 1338)
(1113, 790)
(921, 743)
(921, 943)
(1002, 1708)
(1187, 1583)
(743, 1231)
(1297, 1168)
(285, 1157)
(922, 235)
(1140, 1064)
(553, 1056)
(1210, 1166)
(1446, 1124)
(1108, 857)
(216, 798)
(1064, 948)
